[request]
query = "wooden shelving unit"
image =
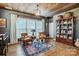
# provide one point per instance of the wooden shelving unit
(65, 31)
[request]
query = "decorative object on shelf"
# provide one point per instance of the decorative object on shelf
(70, 32)
(57, 35)
(68, 15)
(65, 36)
(60, 17)
(61, 36)
(77, 43)
(70, 37)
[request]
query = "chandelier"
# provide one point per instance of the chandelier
(38, 11)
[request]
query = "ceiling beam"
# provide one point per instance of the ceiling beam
(66, 8)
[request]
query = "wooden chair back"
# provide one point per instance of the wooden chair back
(42, 35)
(23, 34)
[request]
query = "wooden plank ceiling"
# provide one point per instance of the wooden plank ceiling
(46, 9)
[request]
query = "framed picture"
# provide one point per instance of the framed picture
(3, 23)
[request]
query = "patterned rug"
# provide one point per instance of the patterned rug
(36, 48)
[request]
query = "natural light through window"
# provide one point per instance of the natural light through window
(26, 25)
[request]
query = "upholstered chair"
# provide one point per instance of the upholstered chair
(42, 36)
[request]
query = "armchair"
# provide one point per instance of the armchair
(42, 36)
(26, 39)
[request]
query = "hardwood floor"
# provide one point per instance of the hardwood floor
(62, 50)
(59, 49)
(15, 50)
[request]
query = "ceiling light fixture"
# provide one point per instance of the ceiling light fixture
(38, 11)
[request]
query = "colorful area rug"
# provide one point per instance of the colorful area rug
(35, 49)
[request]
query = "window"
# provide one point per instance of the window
(24, 25)
(39, 27)
(34, 24)
(20, 27)
(30, 26)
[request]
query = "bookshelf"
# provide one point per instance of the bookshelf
(65, 29)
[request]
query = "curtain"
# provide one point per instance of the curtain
(13, 29)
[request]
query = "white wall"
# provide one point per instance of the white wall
(51, 29)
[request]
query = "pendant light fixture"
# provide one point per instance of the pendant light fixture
(38, 11)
